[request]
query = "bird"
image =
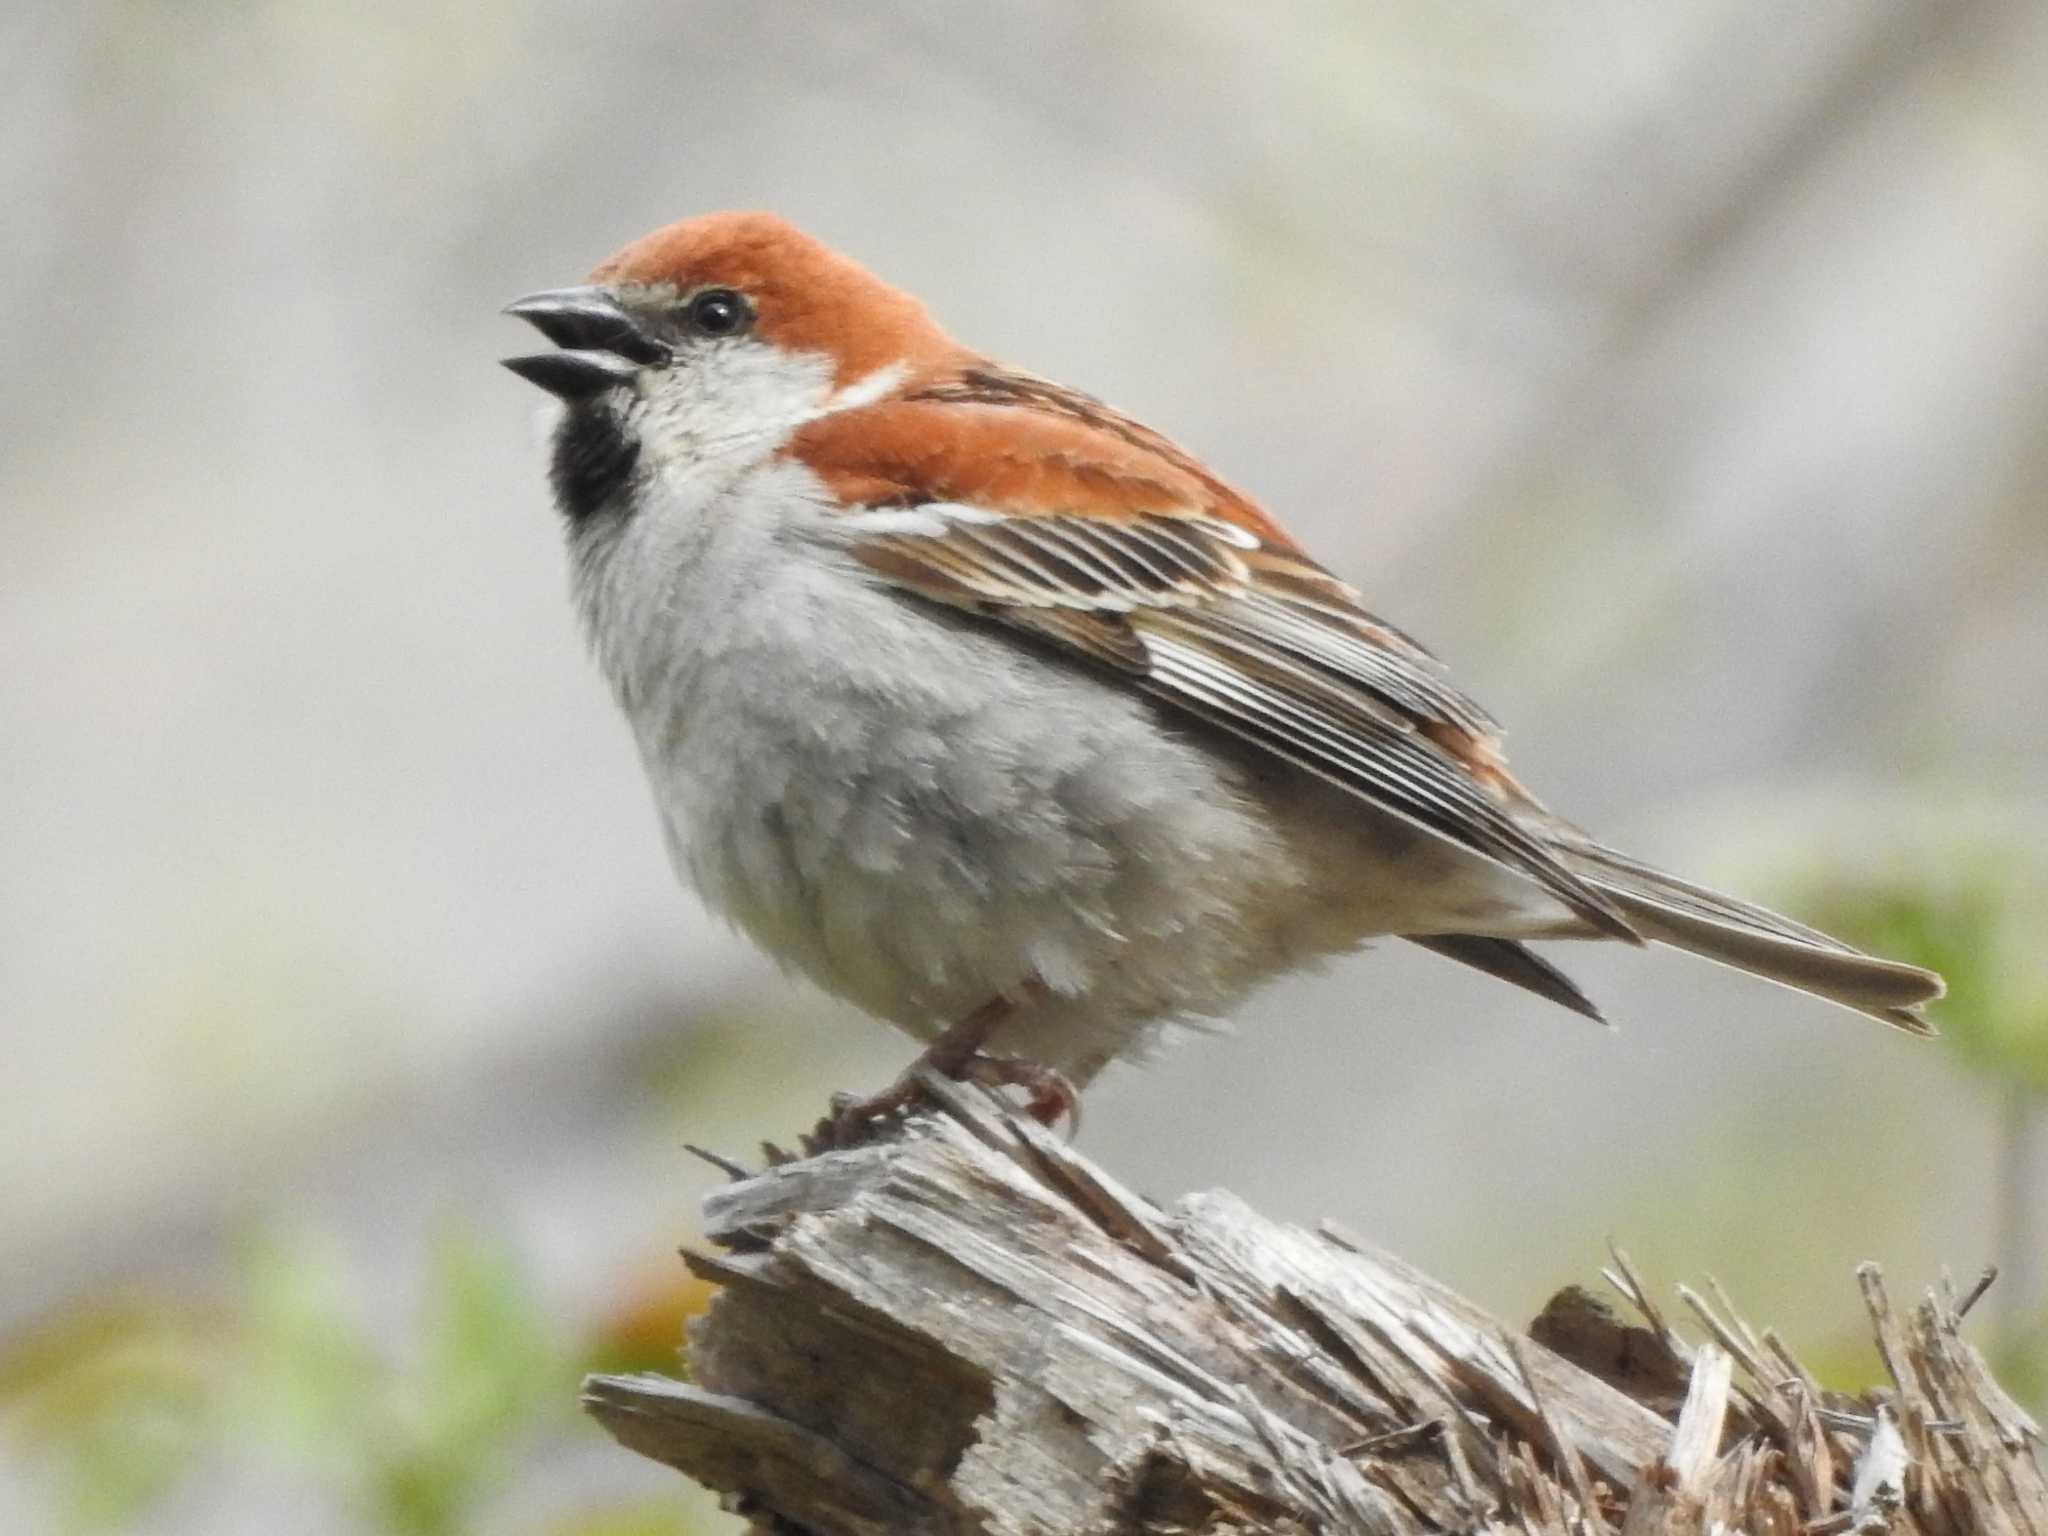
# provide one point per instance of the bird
(1002, 716)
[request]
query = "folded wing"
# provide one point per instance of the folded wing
(1043, 511)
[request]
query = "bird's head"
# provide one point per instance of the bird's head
(712, 340)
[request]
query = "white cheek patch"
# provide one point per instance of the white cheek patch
(732, 399)
(743, 400)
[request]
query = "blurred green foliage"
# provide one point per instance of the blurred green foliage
(122, 1398)
(1979, 916)
(414, 1448)
(1810, 1169)
(1981, 919)
(120, 1395)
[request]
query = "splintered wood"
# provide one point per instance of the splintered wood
(969, 1328)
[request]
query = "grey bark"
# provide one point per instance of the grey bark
(967, 1327)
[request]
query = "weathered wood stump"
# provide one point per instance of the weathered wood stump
(967, 1327)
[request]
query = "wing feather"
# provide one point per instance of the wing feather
(1395, 769)
(1046, 512)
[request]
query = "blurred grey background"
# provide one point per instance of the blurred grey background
(1678, 371)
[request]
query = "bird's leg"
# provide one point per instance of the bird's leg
(960, 1042)
(957, 1053)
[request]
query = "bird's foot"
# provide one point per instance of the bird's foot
(854, 1121)
(1049, 1095)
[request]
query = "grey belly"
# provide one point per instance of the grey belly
(926, 812)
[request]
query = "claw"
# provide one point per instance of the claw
(1049, 1097)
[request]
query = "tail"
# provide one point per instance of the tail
(1691, 917)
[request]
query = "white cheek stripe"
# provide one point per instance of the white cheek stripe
(865, 391)
(932, 520)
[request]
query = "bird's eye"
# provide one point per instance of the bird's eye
(719, 312)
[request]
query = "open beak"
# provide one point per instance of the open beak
(603, 344)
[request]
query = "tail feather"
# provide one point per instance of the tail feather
(1753, 939)
(1511, 962)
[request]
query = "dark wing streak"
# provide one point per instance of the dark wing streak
(956, 572)
(1417, 780)
(1125, 552)
(1254, 721)
(1125, 568)
(1191, 666)
(1301, 582)
(1025, 562)
(1405, 774)
(1103, 636)
(1341, 651)
(1081, 558)
(1208, 567)
(1195, 640)
(1216, 631)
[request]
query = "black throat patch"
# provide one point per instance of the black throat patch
(594, 457)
